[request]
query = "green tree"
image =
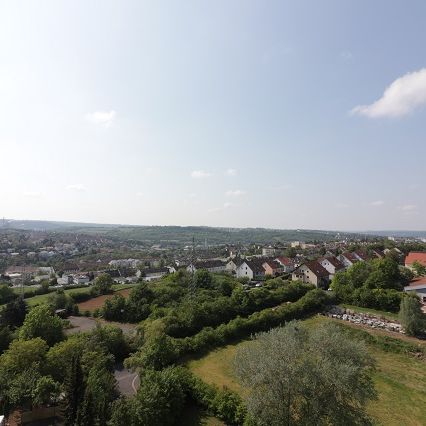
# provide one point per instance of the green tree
(419, 269)
(411, 316)
(41, 322)
(203, 279)
(46, 391)
(103, 284)
(6, 294)
(5, 338)
(13, 314)
(73, 392)
(301, 376)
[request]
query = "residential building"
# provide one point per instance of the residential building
(251, 269)
(313, 273)
(415, 256)
(286, 263)
(272, 268)
(152, 273)
(214, 266)
(268, 251)
(348, 259)
(332, 265)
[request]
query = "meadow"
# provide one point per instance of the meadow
(400, 376)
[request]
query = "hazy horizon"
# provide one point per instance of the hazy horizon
(280, 115)
(421, 231)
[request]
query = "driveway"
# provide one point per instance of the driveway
(128, 381)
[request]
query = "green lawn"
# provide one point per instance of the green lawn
(389, 315)
(400, 380)
(37, 300)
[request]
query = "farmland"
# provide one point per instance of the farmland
(37, 300)
(400, 378)
(97, 302)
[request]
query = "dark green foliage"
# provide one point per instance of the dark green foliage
(73, 391)
(60, 300)
(13, 314)
(5, 337)
(6, 294)
(376, 284)
(169, 350)
(411, 316)
(102, 285)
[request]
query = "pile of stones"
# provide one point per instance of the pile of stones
(364, 319)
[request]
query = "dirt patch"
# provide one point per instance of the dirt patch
(98, 302)
(82, 324)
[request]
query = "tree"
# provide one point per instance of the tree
(5, 338)
(46, 391)
(419, 269)
(41, 322)
(103, 284)
(13, 314)
(6, 294)
(203, 278)
(296, 375)
(73, 392)
(411, 315)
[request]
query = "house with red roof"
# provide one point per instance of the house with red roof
(332, 265)
(313, 273)
(348, 259)
(272, 268)
(286, 263)
(415, 256)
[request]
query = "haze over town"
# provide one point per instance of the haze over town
(281, 115)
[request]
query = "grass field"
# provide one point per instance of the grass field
(37, 300)
(400, 380)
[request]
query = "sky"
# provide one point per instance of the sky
(277, 114)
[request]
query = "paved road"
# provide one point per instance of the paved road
(128, 382)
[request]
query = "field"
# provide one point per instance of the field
(98, 302)
(37, 300)
(400, 380)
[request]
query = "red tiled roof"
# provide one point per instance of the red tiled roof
(285, 261)
(416, 256)
(317, 269)
(335, 262)
(417, 282)
(350, 257)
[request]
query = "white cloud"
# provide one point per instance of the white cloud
(103, 118)
(77, 187)
(346, 55)
(224, 207)
(408, 207)
(377, 203)
(192, 195)
(283, 187)
(200, 174)
(32, 194)
(402, 97)
(230, 172)
(342, 205)
(235, 193)
(139, 194)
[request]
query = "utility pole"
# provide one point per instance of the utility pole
(193, 284)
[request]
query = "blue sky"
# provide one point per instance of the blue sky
(283, 114)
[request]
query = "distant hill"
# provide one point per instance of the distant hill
(184, 234)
